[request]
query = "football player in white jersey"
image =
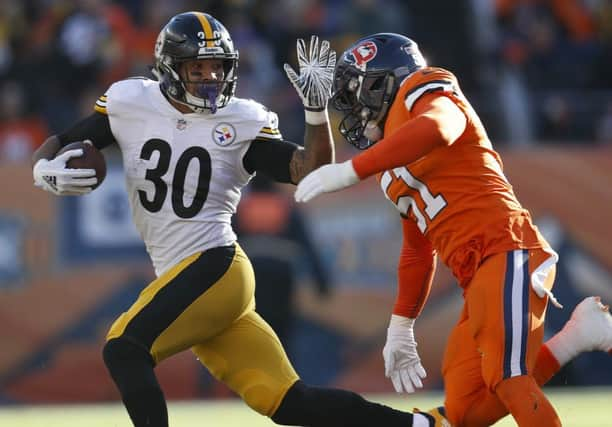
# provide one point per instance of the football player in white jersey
(189, 146)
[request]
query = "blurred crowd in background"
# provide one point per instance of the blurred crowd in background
(538, 71)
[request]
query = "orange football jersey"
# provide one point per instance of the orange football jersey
(457, 194)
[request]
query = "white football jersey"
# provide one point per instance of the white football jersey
(184, 172)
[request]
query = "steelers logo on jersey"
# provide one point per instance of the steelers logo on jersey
(224, 134)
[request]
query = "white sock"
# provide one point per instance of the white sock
(419, 420)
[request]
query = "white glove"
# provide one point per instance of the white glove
(53, 175)
(402, 362)
(314, 82)
(327, 178)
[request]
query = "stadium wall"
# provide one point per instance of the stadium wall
(69, 266)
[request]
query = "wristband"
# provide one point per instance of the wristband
(316, 118)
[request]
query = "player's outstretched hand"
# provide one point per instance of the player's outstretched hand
(327, 178)
(316, 71)
(53, 175)
(402, 362)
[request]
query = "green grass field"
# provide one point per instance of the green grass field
(587, 407)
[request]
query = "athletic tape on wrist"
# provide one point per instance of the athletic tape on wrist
(316, 117)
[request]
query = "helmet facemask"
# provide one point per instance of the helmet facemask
(365, 98)
(205, 95)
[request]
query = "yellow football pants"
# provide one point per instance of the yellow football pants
(206, 303)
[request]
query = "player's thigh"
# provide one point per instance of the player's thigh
(249, 358)
(505, 315)
(462, 371)
(193, 301)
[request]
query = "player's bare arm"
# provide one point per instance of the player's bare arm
(318, 150)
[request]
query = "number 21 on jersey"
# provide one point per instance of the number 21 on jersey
(433, 205)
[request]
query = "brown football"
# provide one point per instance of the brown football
(92, 158)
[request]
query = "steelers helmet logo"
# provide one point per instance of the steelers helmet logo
(224, 134)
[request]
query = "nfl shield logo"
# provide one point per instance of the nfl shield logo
(181, 124)
(224, 134)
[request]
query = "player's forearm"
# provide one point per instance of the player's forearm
(414, 284)
(318, 150)
(319, 143)
(437, 122)
(47, 150)
(407, 144)
(416, 268)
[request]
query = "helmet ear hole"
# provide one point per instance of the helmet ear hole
(168, 83)
(176, 90)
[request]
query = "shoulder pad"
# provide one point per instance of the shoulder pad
(123, 92)
(249, 109)
(262, 121)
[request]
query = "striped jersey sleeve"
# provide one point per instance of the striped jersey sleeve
(270, 131)
(100, 105)
(431, 86)
(426, 81)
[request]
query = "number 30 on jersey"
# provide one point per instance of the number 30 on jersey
(433, 205)
(156, 174)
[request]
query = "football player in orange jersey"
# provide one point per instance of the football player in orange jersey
(435, 163)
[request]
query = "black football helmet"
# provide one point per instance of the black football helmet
(366, 79)
(190, 36)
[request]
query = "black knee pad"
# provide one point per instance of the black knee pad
(131, 367)
(120, 352)
(293, 404)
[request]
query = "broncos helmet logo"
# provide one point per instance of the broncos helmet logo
(364, 53)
